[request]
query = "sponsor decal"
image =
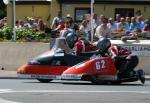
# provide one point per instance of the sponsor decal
(35, 76)
(140, 50)
(137, 47)
(71, 76)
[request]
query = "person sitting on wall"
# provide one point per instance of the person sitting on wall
(132, 35)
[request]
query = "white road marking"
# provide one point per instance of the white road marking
(67, 91)
(7, 101)
(5, 91)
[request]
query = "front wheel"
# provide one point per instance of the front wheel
(44, 80)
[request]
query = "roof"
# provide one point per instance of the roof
(24, 2)
(33, 0)
(103, 0)
(107, 1)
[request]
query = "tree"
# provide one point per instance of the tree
(2, 9)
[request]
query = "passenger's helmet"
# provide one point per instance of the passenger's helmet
(71, 39)
(103, 44)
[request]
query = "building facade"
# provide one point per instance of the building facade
(46, 9)
(30, 8)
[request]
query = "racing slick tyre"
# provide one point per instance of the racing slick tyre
(115, 82)
(44, 80)
(95, 80)
(141, 76)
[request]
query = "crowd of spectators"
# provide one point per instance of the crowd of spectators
(120, 27)
(27, 23)
(31, 23)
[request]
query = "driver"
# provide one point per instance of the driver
(81, 46)
(124, 61)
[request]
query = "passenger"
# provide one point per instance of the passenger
(81, 46)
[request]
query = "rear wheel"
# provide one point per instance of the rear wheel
(95, 80)
(44, 80)
(115, 82)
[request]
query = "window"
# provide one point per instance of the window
(80, 13)
(125, 12)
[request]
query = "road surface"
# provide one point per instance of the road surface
(31, 91)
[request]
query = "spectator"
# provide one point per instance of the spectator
(66, 30)
(19, 24)
(112, 25)
(147, 25)
(101, 18)
(84, 28)
(123, 26)
(56, 20)
(134, 24)
(102, 30)
(117, 18)
(96, 20)
(128, 20)
(41, 25)
(138, 13)
(32, 24)
(70, 19)
(141, 22)
(60, 26)
(26, 22)
(4, 20)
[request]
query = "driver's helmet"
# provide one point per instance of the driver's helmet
(71, 39)
(103, 44)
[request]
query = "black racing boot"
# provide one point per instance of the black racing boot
(141, 75)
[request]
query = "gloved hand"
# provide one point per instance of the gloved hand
(128, 57)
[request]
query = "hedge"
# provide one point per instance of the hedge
(6, 34)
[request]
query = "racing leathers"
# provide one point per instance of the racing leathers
(124, 61)
(84, 48)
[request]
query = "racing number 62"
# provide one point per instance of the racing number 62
(100, 64)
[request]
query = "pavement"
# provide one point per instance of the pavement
(5, 74)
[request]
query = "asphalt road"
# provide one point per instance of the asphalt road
(31, 91)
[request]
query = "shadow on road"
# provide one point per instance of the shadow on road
(88, 83)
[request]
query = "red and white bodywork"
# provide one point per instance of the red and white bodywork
(102, 67)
